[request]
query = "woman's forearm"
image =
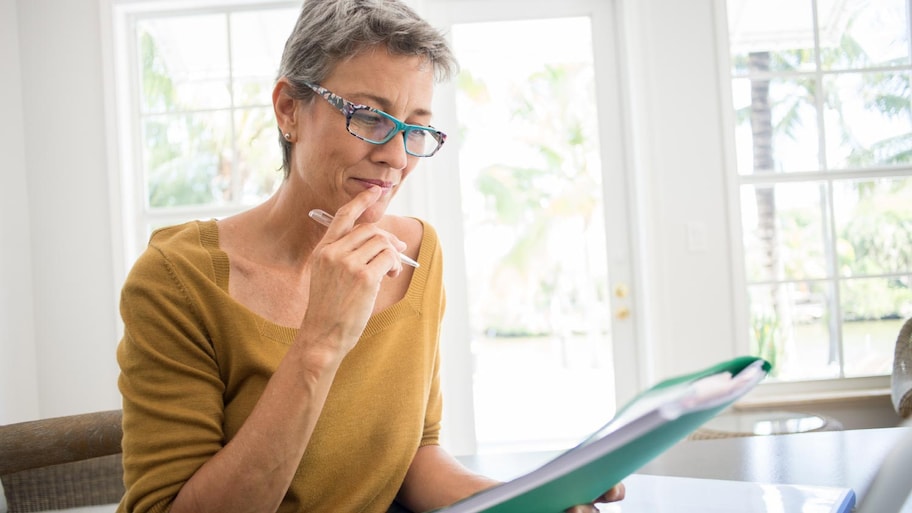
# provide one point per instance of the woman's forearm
(436, 479)
(252, 472)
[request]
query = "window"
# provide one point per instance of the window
(823, 131)
(200, 110)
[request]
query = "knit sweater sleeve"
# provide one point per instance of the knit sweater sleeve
(170, 380)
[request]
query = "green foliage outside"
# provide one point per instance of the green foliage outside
(202, 157)
(554, 187)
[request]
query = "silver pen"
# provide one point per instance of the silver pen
(324, 218)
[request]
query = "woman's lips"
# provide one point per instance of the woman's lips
(385, 186)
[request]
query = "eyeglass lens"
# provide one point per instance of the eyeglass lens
(379, 129)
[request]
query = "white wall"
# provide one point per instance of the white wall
(64, 313)
(18, 370)
(688, 311)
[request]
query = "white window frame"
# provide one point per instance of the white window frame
(130, 213)
(783, 393)
(647, 29)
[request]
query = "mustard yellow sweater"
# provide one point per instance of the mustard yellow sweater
(194, 362)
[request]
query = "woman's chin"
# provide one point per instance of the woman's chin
(373, 214)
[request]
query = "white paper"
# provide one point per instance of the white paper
(666, 494)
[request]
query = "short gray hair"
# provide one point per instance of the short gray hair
(330, 31)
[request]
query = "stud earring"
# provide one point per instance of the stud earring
(287, 136)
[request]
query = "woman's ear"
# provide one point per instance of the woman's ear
(285, 106)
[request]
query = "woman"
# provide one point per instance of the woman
(270, 363)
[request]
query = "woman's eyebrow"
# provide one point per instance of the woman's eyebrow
(379, 102)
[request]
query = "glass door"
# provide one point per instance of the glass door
(541, 196)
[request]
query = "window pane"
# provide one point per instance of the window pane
(536, 252)
(183, 63)
(868, 119)
(874, 299)
(776, 124)
(789, 327)
(187, 159)
(874, 226)
(783, 231)
(781, 32)
(257, 40)
(872, 323)
(863, 33)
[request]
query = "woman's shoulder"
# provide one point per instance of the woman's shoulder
(190, 233)
(188, 230)
(188, 244)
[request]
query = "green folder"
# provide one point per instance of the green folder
(644, 428)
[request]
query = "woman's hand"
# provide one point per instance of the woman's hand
(347, 268)
(615, 494)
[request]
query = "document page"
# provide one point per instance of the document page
(665, 494)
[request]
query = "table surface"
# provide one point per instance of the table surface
(847, 458)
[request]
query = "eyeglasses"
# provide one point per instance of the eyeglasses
(378, 127)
